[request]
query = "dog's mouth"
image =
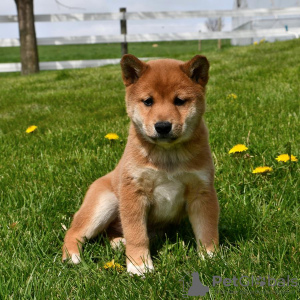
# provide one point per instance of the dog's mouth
(163, 139)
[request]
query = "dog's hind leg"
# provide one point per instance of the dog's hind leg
(99, 208)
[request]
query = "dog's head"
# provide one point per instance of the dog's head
(165, 97)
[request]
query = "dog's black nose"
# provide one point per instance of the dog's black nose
(163, 127)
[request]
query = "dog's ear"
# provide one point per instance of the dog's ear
(132, 69)
(197, 69)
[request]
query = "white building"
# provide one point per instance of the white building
(256, 23)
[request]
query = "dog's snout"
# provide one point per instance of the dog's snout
(163, 127)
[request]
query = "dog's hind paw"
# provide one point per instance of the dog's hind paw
(118, 243)
(75, 259)
(72, 258)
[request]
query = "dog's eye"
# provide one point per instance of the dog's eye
(148, 102)
(179, 102)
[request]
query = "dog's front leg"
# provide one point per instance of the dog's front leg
(203, 212)
(133, 212)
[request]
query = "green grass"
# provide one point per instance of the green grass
(44, 176)
(102, 51)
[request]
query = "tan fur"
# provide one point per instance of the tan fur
(159, 179)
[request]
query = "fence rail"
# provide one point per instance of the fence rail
(156, 37)
(158, 15)
(69, 64)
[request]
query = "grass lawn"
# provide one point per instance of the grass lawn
(102, 51)
(44, 176)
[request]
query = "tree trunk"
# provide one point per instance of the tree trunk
(28, 48)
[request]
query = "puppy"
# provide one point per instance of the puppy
(166, 171)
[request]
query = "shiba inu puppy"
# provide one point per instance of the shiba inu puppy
(166, 171)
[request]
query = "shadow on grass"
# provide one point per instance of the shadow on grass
(231, 232)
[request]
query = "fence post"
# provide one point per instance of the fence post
(199, 44)
(219, 29)
(123, 23)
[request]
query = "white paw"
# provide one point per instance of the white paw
(75, 259)
(118, 244)
(140, 270)
(210, 254)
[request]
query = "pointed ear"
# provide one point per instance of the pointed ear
(132, 69)
(197, 69)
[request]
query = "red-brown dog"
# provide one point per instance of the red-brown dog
(166, 170)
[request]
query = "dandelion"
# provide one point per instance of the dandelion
(238, 148)
(255, 43)
(232, 96)
(113, 265)
(286, 157)
(31, 129)
(155, 45)
(262, 170)
(262, 41)
(112, 136)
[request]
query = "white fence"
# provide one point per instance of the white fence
(69, 64)
(292, 32)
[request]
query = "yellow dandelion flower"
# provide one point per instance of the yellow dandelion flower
(109, 264)
(286, 157)
(31, 129)
(232, 96)
(113, 265)
(238, 148)
(119, 268)
(262, 170)
(112, 136)
(262, 41)
(255, 43)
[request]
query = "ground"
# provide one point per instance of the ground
(252, 99)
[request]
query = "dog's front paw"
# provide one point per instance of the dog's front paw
(141, 269)
(206, 254)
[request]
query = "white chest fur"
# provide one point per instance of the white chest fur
(168, 198)
(166, 192)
